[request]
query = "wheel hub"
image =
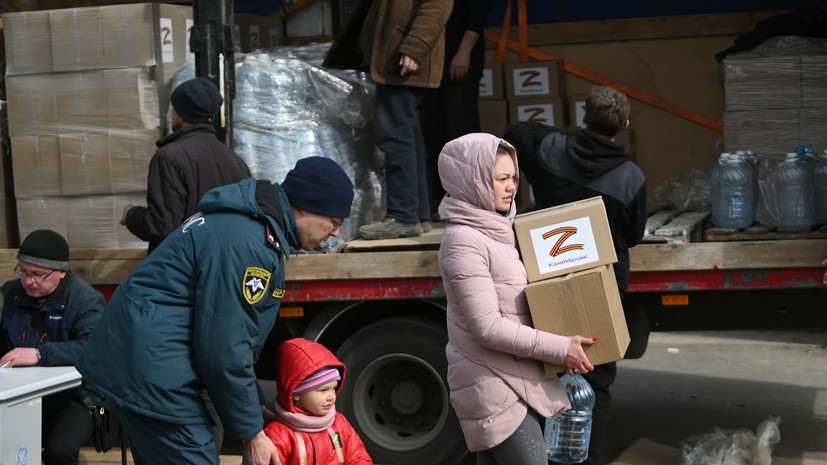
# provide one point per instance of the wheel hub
(406, 397)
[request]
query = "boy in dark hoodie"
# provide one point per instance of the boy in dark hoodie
(568, 164)
(307, 429)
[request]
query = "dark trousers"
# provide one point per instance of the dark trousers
(155, 441)
(446, 113)
(525, 446)
(66, 428)
(399, 136)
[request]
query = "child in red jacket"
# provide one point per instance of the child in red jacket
(308, 430)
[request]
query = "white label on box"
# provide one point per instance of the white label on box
(487, 83)
(536, 112)
(167, 43)
(564, 245)
(531, 81)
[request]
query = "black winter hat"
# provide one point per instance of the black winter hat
(45, 248)
(319, 185)
(196, 100)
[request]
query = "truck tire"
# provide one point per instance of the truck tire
(396, 393)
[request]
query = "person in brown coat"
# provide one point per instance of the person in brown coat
(402, 44)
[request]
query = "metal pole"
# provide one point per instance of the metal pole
(212, 37)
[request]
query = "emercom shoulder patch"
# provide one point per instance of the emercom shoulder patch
(255, 283)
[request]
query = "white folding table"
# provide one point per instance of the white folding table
(21, 405)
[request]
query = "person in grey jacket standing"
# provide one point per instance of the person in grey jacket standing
(499, 389)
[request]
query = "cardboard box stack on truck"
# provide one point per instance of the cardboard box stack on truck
(379, 305)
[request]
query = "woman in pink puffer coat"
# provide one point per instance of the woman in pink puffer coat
(498, 387)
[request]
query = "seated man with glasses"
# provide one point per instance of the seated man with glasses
(48, 314)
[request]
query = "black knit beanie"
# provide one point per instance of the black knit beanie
(45, 248)
(196, 100)
(319, 185)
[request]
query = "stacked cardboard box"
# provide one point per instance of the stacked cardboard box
(521, 92)
(568, 254)
(492, 103)
(254, 32)
(534, 92)
(88, 93)
(776, 95)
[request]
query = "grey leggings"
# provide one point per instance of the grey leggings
(524, 447)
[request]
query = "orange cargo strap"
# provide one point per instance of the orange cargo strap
(503, 43)
(522, 32)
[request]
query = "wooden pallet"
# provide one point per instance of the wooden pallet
(668, 226)
(427, 241)
(760, 232)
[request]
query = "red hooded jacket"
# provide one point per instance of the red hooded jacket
(297, 359)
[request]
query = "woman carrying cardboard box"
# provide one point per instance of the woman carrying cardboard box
(499, 389)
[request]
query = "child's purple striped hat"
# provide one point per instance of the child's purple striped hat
(319, 378)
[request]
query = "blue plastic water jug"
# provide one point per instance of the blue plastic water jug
(793, 184)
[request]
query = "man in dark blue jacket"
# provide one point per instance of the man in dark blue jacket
(196, 313)
(574, 163)
(48, 315)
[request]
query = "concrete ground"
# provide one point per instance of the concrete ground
(688, 383)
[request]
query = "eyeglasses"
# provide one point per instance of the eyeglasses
(337, 222)
(37, 278)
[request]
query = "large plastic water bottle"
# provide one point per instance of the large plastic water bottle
(733, 199)
(567, 433)
(716, 174)
(808, 154)
(793, 184)
(820, 189)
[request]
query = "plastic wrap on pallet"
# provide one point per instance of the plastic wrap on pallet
(82, 163)
(85, 221)
(786, 72)
(691, 191)
(68, 131)
(312, 54)
(82, 101)
(286, 109)
(774, 132)
(103, 37)
(88, 87)
(767, 213)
